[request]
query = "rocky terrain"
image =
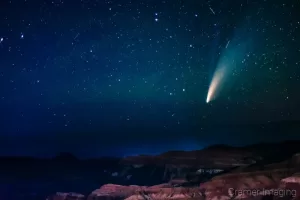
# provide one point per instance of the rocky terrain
(254, 181)
(217, 172)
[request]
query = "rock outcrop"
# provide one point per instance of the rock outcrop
(272, 181)
(113, 192)
(291, 186)
(214, 173)
(255, 181)
(167, 193)
(162, 191)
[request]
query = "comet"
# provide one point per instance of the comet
(230, 60)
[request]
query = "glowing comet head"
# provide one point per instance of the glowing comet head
(216, 84)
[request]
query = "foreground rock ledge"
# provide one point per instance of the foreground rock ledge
(163, 191)
(216, 189)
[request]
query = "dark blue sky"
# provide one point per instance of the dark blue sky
(111, 77)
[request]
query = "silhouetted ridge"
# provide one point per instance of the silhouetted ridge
(65, 156)
(219, 147)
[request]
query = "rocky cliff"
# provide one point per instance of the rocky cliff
(230, 173)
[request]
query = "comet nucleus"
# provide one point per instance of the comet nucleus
(216, 83)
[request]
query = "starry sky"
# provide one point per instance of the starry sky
(120, 77)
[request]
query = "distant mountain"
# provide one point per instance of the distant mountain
(65, 156)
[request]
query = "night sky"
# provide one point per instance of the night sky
(123, 77)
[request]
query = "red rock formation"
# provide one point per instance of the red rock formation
(291, 185)
(162, 191)
(167, 193)
(247, 183)
(239, 185)
(111, 191)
